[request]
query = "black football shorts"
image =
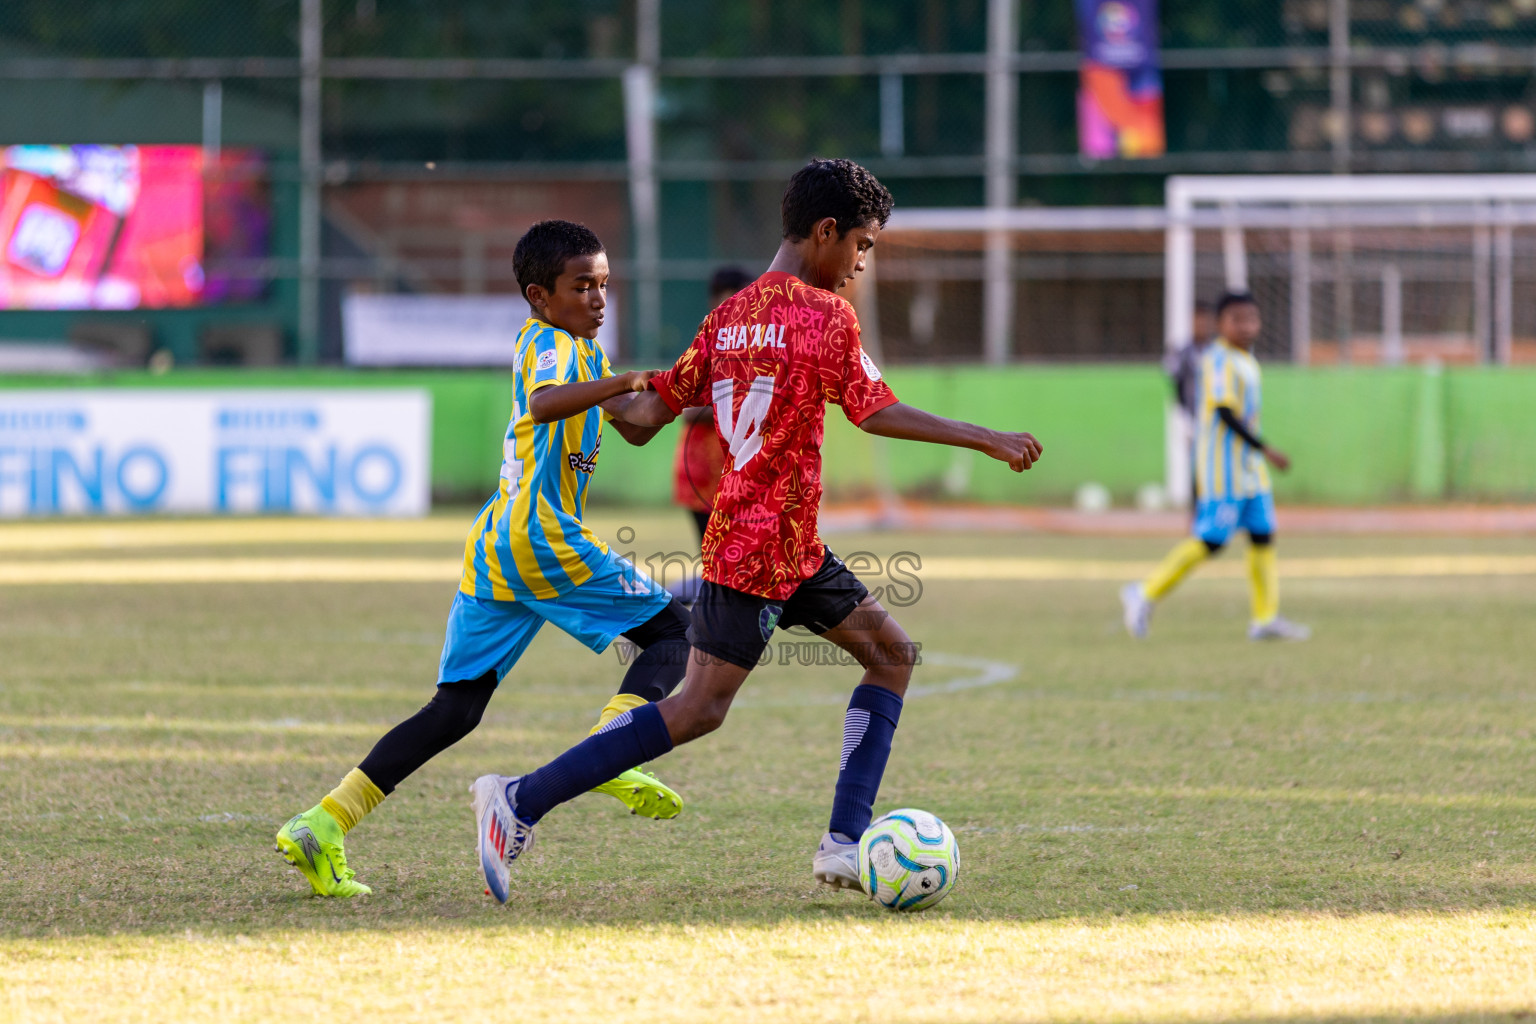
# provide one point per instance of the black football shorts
(736, 627)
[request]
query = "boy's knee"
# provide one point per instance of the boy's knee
(460, 706)
(469, 718)
(1213, 546)
(699, 718)
(711, 718)
(894, 660)
(1261, 540)
(669, 624)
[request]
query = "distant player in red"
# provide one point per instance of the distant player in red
(768, 361)
(700, 459)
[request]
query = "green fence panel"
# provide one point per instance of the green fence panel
(1356, 435)
(627, 475)
(1491, 433)
(1100, 424)
(1349, 432)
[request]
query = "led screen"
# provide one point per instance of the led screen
(129, 227)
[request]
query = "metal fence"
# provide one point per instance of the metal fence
(411, 141)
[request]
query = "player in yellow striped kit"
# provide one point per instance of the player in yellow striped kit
(1231, 481)
(529, 559)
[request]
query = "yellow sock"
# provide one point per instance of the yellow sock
(1180, 562)
(1263, 582)
(620, 703)
(351, 801)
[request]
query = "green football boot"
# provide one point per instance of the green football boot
(644, 794)
(312, 842)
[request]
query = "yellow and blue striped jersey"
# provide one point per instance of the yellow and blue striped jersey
(1226, 467)
(529, 542)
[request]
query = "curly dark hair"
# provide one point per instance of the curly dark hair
(542, 251)
(833, 188)
(1236, 297)
(729, 279)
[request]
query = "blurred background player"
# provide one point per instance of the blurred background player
(1183, 368)
(700, 460)
(1231, 480)
(529, 559)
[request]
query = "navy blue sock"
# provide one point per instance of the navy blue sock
(867, 731)
(630, 740)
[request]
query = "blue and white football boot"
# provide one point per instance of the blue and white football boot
(837, 863)
(1138, 610)
(500, 835)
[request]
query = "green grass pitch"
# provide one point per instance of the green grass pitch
(1194, 828)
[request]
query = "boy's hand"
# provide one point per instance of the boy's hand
(637, 380)
(562, 401)
(1020, 451)
(1277, 458)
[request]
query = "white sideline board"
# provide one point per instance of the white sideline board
(289, 451)
(442, 330)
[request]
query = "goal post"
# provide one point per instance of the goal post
(1356, 269)
(1346, 233)
(1359, 269)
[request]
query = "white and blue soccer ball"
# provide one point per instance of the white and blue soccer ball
(908, 860)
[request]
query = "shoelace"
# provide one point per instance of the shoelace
(519, 841)
(517, 844)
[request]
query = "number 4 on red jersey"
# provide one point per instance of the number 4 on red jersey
(743, 430)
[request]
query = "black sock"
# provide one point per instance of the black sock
(663, 659)
(451, 714)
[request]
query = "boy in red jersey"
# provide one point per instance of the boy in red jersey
(768, 360)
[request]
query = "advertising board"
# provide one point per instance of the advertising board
(311, 452)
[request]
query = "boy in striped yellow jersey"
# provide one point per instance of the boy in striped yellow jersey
(529, 558)
(1231, 480)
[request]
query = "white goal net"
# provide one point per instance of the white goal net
(1375, 270)
(1364, 270)
(1379, 269)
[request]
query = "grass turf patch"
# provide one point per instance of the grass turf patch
(1197, 827)
(1256, 967)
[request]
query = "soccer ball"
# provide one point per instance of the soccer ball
(908, 860)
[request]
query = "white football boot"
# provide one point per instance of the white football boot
(1138, 610)
(500, 835)
(1278, 628)
(837, 864)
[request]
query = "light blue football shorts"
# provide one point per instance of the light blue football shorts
(1217, 518)
(483, 635)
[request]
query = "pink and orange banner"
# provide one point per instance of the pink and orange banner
(127, 227)
(1120, 92)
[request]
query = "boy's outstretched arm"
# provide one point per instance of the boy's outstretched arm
(909, 423)
(562, 401)
(646, 409)
(636, 436)
(1273, 455)
(632, 416)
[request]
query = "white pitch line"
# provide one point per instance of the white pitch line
(988, 673)
(982, 672)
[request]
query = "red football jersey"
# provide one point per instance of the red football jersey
(697, 466)
(769, 359)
